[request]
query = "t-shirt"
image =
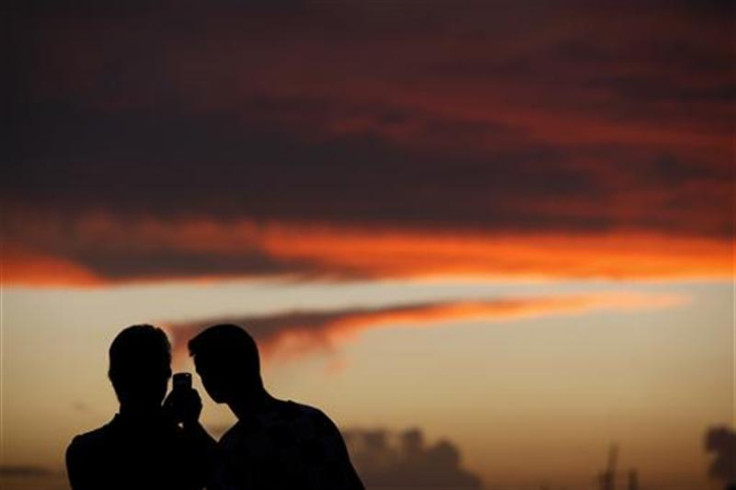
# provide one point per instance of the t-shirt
(129, 453)
(287, 446)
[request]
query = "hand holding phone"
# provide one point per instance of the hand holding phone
(182, 382)
(183, 403)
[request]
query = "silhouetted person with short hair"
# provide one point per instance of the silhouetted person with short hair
(142, 447)
(276, 444)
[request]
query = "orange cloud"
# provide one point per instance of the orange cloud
(608, 255)
(28, 268)
(294, 334)
(150, 249)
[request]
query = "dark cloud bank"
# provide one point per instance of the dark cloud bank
(467, 117)
(464, 115)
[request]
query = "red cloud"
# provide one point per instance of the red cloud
(523, 139)
(28, 268)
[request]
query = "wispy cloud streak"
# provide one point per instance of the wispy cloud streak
(294, 334)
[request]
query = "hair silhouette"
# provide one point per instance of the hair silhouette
(275, 444)
(141, 447)
(140, 359)
(227, 360)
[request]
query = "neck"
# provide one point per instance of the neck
(245, 405)
(139, 411)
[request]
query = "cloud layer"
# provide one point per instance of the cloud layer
(471, 119)
(97, 249)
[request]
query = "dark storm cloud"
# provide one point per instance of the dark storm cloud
(463, 117)
(217, 165)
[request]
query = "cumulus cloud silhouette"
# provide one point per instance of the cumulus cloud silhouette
(387, 459)
(722, 442)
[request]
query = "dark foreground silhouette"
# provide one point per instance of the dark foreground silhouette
(275, 444)
(143, 447)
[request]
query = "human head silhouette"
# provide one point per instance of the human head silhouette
(140, 366)
(226, 358)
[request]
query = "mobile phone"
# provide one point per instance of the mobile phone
(182, 381)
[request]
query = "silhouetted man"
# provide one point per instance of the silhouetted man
(142, 447)
(275, 445)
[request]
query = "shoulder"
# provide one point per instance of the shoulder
(311, 421)
(90, 440)
(298, 412)
(90, 443)
(323, 449)
(85, 451)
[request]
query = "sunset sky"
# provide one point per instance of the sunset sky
(507, 224)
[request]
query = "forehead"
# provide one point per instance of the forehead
(204, 361)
